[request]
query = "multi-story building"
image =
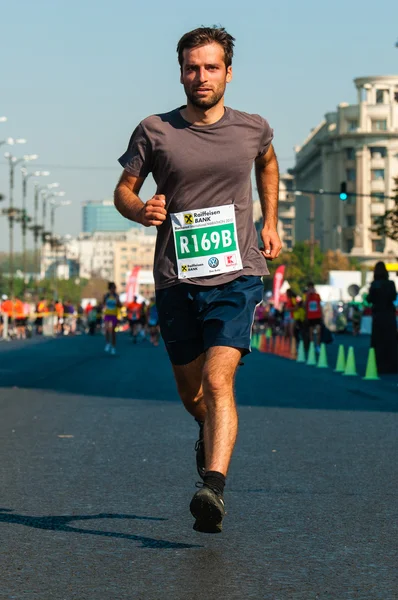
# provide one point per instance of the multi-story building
(357, 144)
(101, 215)
(109, 256)
(286, 213)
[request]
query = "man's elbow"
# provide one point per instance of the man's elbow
(117, 197)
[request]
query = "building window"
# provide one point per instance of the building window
(350, 219)
(379, 197)
(350, 153)
(349, 244)
(352, 125)
(381, 96)
(377, 174)
(378, 152)
(351, 174)
(379, 125)
(377, 245)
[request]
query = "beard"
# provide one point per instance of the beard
(207, 102)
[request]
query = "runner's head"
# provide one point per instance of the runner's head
(205, 57)
(310, 286)
(112, 287)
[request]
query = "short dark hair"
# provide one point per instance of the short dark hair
(310, 284)
(207, 35)
(111, 285)
(380, 271)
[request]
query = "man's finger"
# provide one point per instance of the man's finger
(156, 202)
(160, 197)
(156, 215)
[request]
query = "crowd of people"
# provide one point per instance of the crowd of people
(22, 319)
(302, 317)
(298, 316)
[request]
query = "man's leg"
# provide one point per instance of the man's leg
(221, 424)
(189, 385)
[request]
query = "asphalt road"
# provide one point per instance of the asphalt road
(97, 471)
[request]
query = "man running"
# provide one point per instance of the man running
(207, 266)
(134, 313)
(152, 322)
(111, 304)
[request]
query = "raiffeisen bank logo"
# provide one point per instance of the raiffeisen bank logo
(203, 216)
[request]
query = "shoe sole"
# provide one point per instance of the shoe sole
(207, 513)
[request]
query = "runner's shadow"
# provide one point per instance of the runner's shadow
(61, 523)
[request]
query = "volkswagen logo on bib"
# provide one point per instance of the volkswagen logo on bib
(213, 262)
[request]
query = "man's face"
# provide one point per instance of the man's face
(204, 75)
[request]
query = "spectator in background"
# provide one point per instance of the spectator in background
(20, 320)
(41, 310)
(7, 310)
(313, 311)
(382, 295)
(92, 320)
(289, 309)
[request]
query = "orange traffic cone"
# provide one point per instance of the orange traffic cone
(286, 348)
(277, 345)
(293, 348)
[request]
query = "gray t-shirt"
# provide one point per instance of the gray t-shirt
(201, 167)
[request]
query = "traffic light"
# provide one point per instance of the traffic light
(343, 191)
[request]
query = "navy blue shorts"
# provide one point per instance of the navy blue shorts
(194, 318)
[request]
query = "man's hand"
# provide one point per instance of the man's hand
(272, 243)
(154, 211)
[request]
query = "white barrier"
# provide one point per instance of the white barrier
(5, 328)
(366, 325)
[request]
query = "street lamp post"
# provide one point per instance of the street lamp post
(47, 196)
(13, 162)
(36, 227)
(25, 219)
(54, 206)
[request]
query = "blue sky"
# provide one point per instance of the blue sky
(77, 76)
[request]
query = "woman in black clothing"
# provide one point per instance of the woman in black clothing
(382, 295)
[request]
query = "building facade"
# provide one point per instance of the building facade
(109, 256)
(101, 215)
(286, 212)
(357, 144)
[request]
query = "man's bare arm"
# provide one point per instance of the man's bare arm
(267, 177)
(130, 205)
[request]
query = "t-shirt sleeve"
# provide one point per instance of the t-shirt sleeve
(137, 159)
(266, 138)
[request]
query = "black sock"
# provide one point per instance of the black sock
(215, 481)
(201, 425)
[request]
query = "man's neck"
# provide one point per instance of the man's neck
(199, 117)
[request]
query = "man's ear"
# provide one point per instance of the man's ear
(229, 74)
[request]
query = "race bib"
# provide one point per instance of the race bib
(313, 306)
(206, 242)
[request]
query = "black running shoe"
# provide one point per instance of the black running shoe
(200, 453)
(208, 509)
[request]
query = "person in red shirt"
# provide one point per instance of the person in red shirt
(313, 312)
(134, 313)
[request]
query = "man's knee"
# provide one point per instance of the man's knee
(190, 397)
(216, 383)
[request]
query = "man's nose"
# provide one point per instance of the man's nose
(202, 75)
